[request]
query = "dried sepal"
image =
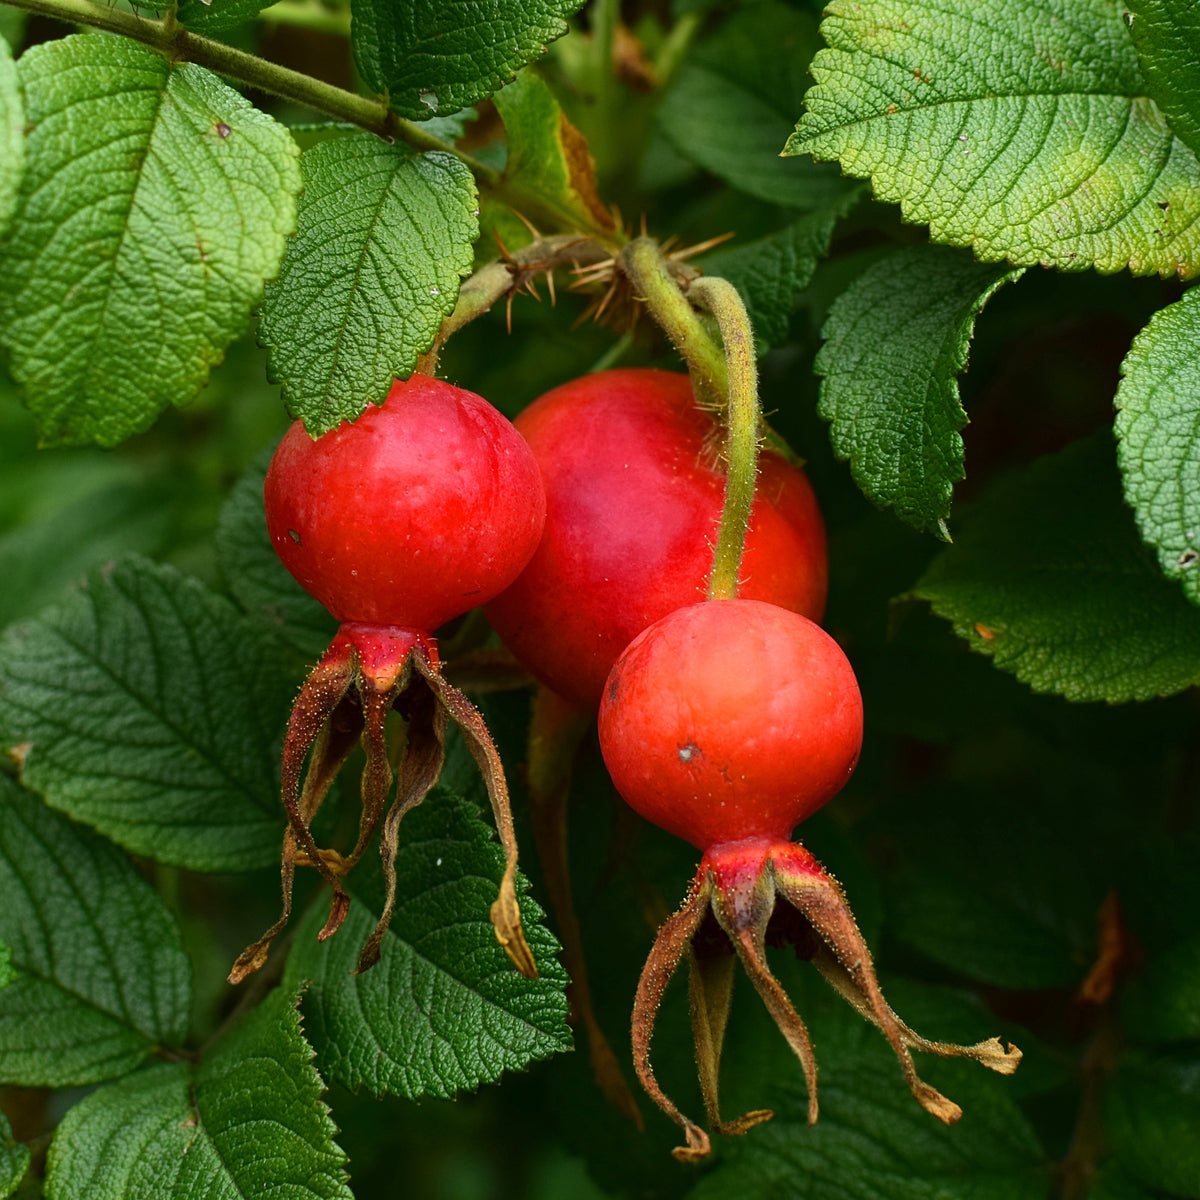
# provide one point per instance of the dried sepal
(366, 673)
(745, 896)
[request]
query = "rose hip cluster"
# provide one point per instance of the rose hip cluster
(726, 722)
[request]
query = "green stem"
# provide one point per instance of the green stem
(655, 283)
(178, 45)
(722, 299)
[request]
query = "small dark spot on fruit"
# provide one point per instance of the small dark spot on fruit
(614, 688)
(294, 536)
(689, 751)
(223, 130)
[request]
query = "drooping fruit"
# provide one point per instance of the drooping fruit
(634, 490)
(421, 509)
(728, 723)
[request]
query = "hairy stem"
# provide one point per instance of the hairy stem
(656, 284)
(178, 45)
(722, 299)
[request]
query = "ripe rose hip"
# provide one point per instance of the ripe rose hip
(421, 509)
(728, 723)
(634, 491)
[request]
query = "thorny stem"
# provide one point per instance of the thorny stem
(656, 285)
(178, 45)
(498, 279)
(722, 299)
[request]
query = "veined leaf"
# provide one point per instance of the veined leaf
(1050, 579)
(443, 1010)
(246, 1120)
(384, 238)
(216, 16)
(1166, 34)
(102, 978)
(433, 57)
(547, 154)
(1158, 422)
(14, 1159)
(772, 271)
(154, 204)
(12, 137)
(258, 580)
(733, 104)
(893, 350)
(146, 706)
(1017, 127)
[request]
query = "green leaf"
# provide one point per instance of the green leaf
(1166, 35)
(444, 1010)
(1153, 1112)
(140, 245)
(12, 136)
(258, 580)
(433, 57)
(14, 1159)
(384, 237)
(771, 272)
(895, 341)
(39, 560)
(246, 1120)
(1019, 129)
(145, 706)
(547, 155)
(1050, 578)
(216, 16)
(8, 973)
(1158, 423)
(103, 978)
(1162, 1005)
(873, 1139)
(733, 104)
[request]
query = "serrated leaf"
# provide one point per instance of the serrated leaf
(1050, 579)
(547, 155)
(732, 107)
(962, 899)
(216, 16)
(872, 1139)
(895, 342)
(1153, 1112)
(146, 706)
(432, 57)
(12, 136)
(102, 975)
(246, 1120)
(1166, 34)
(771, 272)
(1018, 128)
(40, 559)
(14, 1159)
(384, 238)
(258, 580)
(444, 1010)
(141, 243)
(1158, 423)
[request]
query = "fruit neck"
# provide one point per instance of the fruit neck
(740, 863)
(380, 650)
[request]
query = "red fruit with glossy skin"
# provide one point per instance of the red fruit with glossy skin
(421, 509)
(634, 501)
(731, 719)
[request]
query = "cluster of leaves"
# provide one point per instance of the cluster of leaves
(1024, 865)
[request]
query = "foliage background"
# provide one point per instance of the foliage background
(1019, 841)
